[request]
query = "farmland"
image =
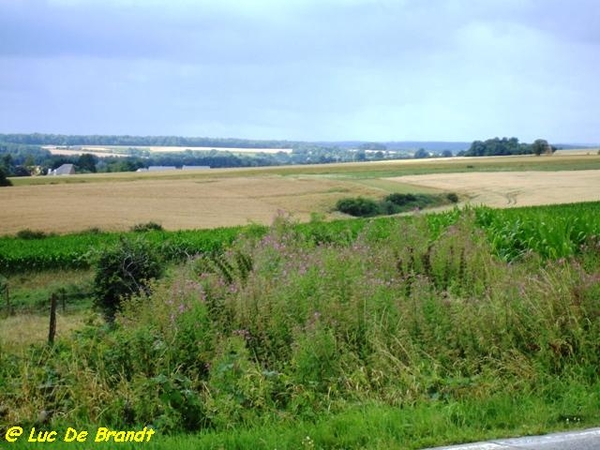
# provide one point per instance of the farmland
(234, 197)
(292, 329)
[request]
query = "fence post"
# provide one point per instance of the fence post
(52, 331)
(7, 294)
(4, 292)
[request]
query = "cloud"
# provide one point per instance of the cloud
(301, 69)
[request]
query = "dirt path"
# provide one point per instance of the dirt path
(506, 189)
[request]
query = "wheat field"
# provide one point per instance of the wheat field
(229, 197)
(505, 189)
(174, 203)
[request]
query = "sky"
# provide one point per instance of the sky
(313, 70)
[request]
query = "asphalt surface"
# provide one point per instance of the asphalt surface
(572, 440)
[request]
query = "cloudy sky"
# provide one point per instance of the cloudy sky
(455, 70)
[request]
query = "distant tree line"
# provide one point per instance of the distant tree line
(508, 146)
(149, 141)
(22, 154)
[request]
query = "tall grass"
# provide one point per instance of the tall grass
(290, 327)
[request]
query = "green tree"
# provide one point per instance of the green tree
(4, 181)
(421, 153)
(540, 147)
(7, 164)
(87, 163)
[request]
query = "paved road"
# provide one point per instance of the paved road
(572, 440)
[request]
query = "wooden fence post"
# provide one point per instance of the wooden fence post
(8, 308)
(52, 331)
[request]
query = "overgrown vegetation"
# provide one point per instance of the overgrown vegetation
(302, 325)
(392, 204)
(148, 226)
(123, 271)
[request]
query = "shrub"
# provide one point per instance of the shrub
(148, 226)
(358, 207)
(393, 204)
(31, 234)
(122, 272)
(452, 197)
(401, 199)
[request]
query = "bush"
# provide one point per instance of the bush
(392, 204)
(452, 197)
(358, 207)
(148, 226)
(401, 199)
(122, 272)
(31, 234)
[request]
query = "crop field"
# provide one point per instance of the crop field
(528, 188)
(230, 197)
(175, 204)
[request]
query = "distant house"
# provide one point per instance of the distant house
(65, 169)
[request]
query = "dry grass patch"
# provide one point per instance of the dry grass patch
(18, 332)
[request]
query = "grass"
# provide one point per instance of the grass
(336, 339)
(380, 426)
(30, 291)
(25, 329)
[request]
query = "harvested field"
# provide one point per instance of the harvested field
(228, 197)
(502, 189)
(175, 203)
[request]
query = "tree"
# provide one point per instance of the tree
(361, 155)
(3, 180)
(87, 163)
(7, 164)
(447, 154)
(421, 153)
(541, 146)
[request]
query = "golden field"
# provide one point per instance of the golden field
(174, 203)
(529, 188)
(225, 197)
